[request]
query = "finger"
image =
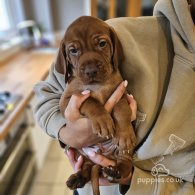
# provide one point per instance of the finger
(104, 182)
(100, 159)
(133, 106)
(116, 96)
(72, 112)
(79, 99)
(71, 156)
(76, 164)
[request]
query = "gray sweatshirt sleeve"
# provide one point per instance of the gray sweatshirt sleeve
(48, 93)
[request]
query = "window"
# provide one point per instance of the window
(8, 31)
(4, 15)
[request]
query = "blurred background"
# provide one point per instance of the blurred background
(48, 19)
(32, 163)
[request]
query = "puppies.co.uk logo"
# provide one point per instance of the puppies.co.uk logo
(159, 171)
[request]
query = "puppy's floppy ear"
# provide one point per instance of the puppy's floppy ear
(62, 65)
(118, 55)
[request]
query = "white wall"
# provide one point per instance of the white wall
(42, 14)
(65, 11)
(15, 11)
(55, 15)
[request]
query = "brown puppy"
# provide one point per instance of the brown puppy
(89, 56)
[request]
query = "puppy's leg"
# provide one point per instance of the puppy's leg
(121, 173)
(126, 140)
(79, 179)
(64, 100)
(102, 122)
(124, 130)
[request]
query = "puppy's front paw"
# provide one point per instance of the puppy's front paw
(103, 125)
(126, 141)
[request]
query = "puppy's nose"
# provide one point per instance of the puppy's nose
(91, 71)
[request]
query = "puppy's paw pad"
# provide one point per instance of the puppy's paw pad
(111, 173)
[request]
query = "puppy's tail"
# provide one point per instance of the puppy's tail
(95, 173)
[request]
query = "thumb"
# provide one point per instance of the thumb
(100, 159)
(72, 112)
(79, 99)
(78, 164)
(116, 96)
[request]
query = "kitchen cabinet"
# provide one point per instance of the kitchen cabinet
(23, 143)
(40, 140)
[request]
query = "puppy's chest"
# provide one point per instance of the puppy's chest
(101, 92)
(98, 91)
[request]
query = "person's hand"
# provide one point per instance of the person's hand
(105, 162)
(77, 164)
(77, 124)
(116, 96)
(72, 112)
(97, 159)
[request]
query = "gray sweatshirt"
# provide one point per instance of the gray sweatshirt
(160, 67)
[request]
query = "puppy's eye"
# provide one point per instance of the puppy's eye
(102, 43)
(73, 51)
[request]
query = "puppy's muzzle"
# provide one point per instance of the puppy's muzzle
(92, 67)
(91, 71)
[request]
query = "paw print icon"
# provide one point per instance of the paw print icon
(159, 170)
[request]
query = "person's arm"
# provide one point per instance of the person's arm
(48, 93)
(47, 111)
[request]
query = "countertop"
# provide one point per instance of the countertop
(18, 75)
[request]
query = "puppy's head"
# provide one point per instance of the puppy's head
(89, 51)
